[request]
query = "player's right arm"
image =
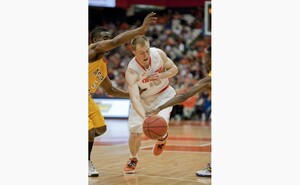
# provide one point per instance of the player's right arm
(199, 87)
(134, 92)
(106, 45)
(111, 90)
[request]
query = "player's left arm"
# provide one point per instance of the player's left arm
(111, 90)
(168, 64)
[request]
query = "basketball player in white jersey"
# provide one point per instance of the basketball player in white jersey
(150, 71)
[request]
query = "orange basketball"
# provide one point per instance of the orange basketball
(155, 127)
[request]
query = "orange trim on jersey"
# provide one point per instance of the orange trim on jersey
(162, 89)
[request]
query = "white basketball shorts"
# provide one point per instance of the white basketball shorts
(135, 121)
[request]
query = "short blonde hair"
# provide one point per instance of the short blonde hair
(140, 39)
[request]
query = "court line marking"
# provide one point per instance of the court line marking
(180, 144)
(206, 144)
(192, 152)
(174, 151)
(201, 145)
(144, 147)
(152, 176)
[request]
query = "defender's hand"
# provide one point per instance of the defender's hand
(149, 19)
(150, 113)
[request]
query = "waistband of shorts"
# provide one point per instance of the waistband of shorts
(162, 90)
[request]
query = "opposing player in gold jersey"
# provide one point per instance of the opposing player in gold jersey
(99, 45)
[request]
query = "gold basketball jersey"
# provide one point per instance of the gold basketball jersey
(97, 73)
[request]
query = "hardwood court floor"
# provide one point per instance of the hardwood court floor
(188, 150)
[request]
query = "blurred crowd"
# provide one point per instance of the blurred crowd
(180, 34)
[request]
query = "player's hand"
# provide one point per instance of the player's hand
(148, 113)
(149, 19)
(154, 76)
(153, 112)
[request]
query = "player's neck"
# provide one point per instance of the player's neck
(143, 64)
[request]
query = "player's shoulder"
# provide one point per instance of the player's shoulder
(132, 64)
(130, 70)
(131, 73)
(132, 61)
(154, 49)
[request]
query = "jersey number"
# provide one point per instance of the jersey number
(155, 83)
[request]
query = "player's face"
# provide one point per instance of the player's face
(104, 35)
(142, 53)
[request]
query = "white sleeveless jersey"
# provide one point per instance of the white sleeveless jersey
(156, 64)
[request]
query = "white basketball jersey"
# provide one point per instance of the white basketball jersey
(156, 65)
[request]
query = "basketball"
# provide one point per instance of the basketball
(155, 127)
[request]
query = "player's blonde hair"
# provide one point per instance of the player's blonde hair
(140, 39)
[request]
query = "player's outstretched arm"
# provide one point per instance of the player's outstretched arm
(199, 87)
(106, 45)
(111, 90)
(134, 92)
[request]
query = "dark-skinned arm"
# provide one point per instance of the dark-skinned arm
(106, 45)
(199, 87)
(113, 91)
